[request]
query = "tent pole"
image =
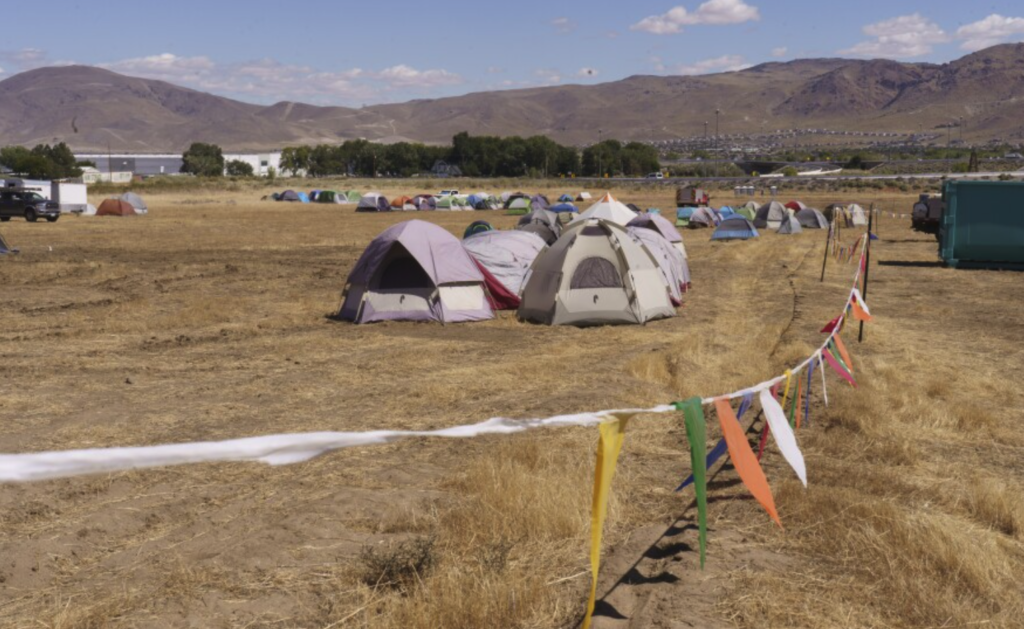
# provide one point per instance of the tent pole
(867, 266)
(828, 241)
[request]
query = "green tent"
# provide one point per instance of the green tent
(748, 210)
(327, 196)
(522, 205)
(446, 203)
(353, 196)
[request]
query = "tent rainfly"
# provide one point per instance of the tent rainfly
(596, 274)
(505, 257)
(663, 226)
(790, 224)
(115, 207)
(735, 228)
(673, 267)
(703, 217)
(770, 215)
(415, 271)
(136, 202)
(811, 218)
(373, 202)
(607, 209)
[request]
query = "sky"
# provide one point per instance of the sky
(362, 53)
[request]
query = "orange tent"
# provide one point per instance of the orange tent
(401, 202)
(115, 207)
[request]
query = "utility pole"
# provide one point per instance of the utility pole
(717, 156)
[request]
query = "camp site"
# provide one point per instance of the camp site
(357, 334)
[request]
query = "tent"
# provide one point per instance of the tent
(402, 203)
(90, 210)
(373, 202)
(770, 215)
(566, 198)
(353, 196)
(115, 207)
(490, 202)
(415, 271)
(748, 210)
(476, 199)
(424, 202)
(543, 223)
(288, 195)
(303, 197)
(136, 202)
(703, 217)
(505, 258)
(796, 206)
(520, 205)
(735, 228)
(683, 215)
(858, 217)
(790, 224)
(330, 196)
(6, 248)
(314, 195)
(812, 219)
(583, 196)
(608, 209)
(834, 210)
(725, 212)
(564, 207)
(540, 201)
(446, 203)
(477, 227)
(508, 197)
(461, 203)
(673, 267)
(595, 274)
(663, 226)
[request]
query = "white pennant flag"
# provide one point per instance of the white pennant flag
(783, 433)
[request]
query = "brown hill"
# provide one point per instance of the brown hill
(90, 108)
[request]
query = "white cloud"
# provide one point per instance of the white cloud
(587, 72)
(995, 29)
(548, 75)
(780, 51)
(563, 24)
(899, 37)
(716, 12)
(495, 70)
(725, 63)
(405, 76)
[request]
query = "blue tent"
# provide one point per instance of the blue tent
(564, 207)
(653, 210)
(725, 212)
(476, 199)
(314, 195)
(685, 212)
(735, 228)
(566, 198)
(303, 197)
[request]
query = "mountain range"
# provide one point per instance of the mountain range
(93, 109)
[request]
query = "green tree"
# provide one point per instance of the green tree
(295, 159)
(238, 168)
(203, 160)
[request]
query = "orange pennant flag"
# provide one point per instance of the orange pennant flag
(743, 458)
(843, 352)
(858, 312)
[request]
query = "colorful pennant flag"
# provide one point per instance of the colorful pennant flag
(784, 437)
(839, 368)
(693, 419)
(743, 459)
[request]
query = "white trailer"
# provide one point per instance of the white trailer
(72, 197)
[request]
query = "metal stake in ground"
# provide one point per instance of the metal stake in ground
(867, 266)
(828, 243)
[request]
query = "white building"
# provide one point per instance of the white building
(262, 163)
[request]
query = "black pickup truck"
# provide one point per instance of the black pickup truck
(26, 204)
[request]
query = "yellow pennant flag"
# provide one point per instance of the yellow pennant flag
(608, 448)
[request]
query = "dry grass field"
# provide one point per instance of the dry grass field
(209, 319)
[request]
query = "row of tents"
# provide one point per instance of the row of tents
(515, 202)
(607, 266)
(771, 215)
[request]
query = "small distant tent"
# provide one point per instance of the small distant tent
(663, 226)
(90, 210)
(303, 197)
(373, 202)
(136, 202)
(424, 202)
(461, 203)
(445, 203)
(508, 197)
(725, 212)
(477, 227)
(505, 257)
(702, 217)
(402, 203)
(476, 199)
(415, 271)
(490, 203)
(858, 217)
(596, 274)
(811, 218)
(748, 210)
(673, 267)
(330, 196)
(543, 223)
(790, 224)
(520, 205)
(770, 215)
(607, 209)
(796, 206)
(563, 208)
(583, 196)
(4, 247)
(288, 195)
(833, 211)
(566, 198)
(539, 201)
(683, 215)
(314, 195)
(735, 228)
(353, 196)
(115, 207)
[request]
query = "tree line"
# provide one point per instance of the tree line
(475, 156)
(42, 162)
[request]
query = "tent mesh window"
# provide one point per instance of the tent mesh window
(595, 273)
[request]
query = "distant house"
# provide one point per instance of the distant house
(261, 163)
(442, 168)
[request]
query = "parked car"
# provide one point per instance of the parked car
(27, 204)
(656, 176)
(449, 193)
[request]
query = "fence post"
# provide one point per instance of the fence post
(867, 267)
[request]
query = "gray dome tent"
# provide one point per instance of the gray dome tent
(790, 225)
(812, 219)
(770, 215)
(136, 202)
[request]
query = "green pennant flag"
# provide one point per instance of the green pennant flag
(693, 419)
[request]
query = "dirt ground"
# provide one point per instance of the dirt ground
(209, 318)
